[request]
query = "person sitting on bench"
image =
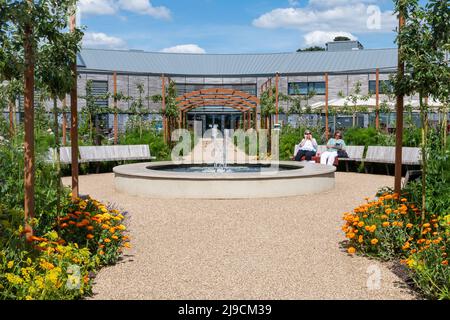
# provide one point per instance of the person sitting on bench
(333, 146)
(308, 147)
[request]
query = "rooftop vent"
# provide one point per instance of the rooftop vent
(344, 46)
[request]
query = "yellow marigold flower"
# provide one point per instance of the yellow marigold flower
(350, 235)
(105, 226)
(28, 298)
(406, 246)
(10, 264)
(127, 245)
(409, 225)
(351, 250)
(112, 230)
(46, 265)
(360, 239)
(13, 279)
(395, 223)
(123, 228)
(426, 225)
(365, 216)
(388, 211)
(374, 241)
(361, 224)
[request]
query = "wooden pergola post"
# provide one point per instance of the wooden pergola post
(249, 119)
(64, 122)
(163, 94)
(399, 120)
(327, 131)
(277, 83)
(377, 93)
(74, 120)
(116, 116)
(29, 126)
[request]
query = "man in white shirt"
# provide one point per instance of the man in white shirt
(308, 147)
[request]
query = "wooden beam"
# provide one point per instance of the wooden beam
(399, 120)
(277, 91)
(74, 121)
(327, 131)
(163, 95)
(116, 116)
(377, 98)
(29, 166)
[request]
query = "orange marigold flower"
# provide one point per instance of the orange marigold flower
(445, 263)
(404, 200)
(374, 241)
(115, 237)
(127, 245)
(361, 224)
(386, 224)
(64, 225)
(409, 225)
(90, 236)
(360, 239)
(350, 235)
(112, 230)
(426, 225)
(105, 226)
(406, 246)
(90, 228)
(101, 252)
(351, 250)
(107, 240)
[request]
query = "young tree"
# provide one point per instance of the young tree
(352, 104)
(172, 111)
(54, 73)
(423, 41)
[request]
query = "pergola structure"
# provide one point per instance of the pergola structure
(246, 103)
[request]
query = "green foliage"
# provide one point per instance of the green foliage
(150, 136)
(437, 179)
(314, 48)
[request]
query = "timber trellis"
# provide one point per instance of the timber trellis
(246, 103)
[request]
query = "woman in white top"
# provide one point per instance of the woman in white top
(308, 147)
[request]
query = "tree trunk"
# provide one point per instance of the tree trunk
(58, 156)
(29, 204)
(424, 120)
(444, 128)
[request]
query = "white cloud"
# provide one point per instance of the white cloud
(348, 15)
(145, 7)
(319, 38)
(97, 7)
(111, 7)
(294, 3)
(184, 48)
(103, 41)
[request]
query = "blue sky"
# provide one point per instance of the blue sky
(233, 26)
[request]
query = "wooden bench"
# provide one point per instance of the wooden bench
(386, 155)
(115, 153)
(65, 155)
(103, 154)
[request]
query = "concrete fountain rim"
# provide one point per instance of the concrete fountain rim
(148, 170)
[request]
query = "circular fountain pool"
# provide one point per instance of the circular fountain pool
(202, 181)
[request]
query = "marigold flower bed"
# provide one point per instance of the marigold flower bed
(61, 263)
(390, 227)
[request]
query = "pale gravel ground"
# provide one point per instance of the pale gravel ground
(284, 248)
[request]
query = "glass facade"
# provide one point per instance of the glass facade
(304, 88)
(385, 86)
(99, 89)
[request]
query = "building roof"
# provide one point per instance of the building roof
(177, 64)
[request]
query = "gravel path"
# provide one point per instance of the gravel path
(284, 248)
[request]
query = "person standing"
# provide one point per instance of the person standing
(308, 147)
(333, 146)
